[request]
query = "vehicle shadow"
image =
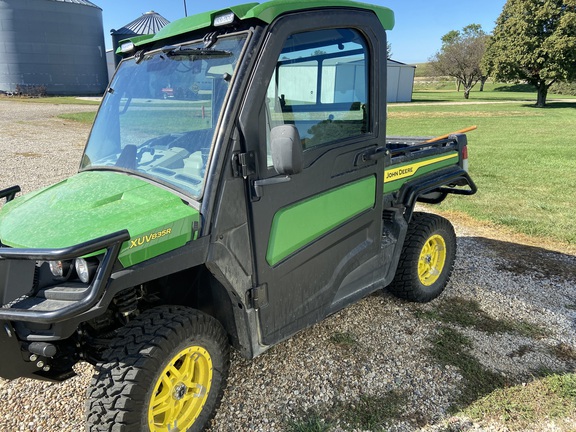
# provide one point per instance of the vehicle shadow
(530, 260)
(543, 280)
(514, 305)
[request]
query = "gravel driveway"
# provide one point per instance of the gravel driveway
(380, 346)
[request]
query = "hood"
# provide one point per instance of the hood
(95, 203)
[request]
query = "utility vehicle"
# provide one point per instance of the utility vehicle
(237, 186)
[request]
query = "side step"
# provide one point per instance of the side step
(66, 292)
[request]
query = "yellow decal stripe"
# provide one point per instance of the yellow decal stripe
(409, 170)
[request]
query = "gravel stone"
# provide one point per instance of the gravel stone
(312, 371)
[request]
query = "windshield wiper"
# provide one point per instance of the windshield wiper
(194, 53)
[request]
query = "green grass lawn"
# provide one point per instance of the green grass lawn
(56, 100)
(82, 117)
(445, 91)
(523, 160)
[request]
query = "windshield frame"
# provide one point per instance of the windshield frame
(186, 194)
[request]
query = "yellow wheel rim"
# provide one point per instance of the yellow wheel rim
(432, 260)
(181, 391)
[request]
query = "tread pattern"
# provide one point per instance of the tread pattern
(118, 393)
(406, 283)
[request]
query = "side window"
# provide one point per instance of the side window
(320, 86)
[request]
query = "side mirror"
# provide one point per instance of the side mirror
(286, 149)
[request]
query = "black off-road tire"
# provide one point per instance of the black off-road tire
(426, 232)
(120, 393)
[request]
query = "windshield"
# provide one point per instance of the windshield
(158, 118)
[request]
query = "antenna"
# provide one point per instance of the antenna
(185, 9)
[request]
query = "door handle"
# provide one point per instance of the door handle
(373, 155)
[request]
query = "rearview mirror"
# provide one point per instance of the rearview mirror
(286, 149)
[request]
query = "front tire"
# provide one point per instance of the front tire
(427, 259)
(166, 370)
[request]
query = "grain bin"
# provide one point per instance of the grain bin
(55, 44)
(149, 23)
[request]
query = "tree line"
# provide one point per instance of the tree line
(534, 41)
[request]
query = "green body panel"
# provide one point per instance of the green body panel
(266, 12)
(269, 11)
(95, 203)
(300, 224)
(411, 170)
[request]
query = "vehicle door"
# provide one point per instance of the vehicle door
(316, 233)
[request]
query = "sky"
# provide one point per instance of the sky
(420, 24)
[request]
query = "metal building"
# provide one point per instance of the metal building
(400, 81)
(58, 44)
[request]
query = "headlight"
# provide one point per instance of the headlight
(60, 269)
(85, 268)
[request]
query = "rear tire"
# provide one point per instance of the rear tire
(427, 259)
(166, 370)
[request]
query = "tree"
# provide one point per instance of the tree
(388, 50)
(534, 41)
(460, 56)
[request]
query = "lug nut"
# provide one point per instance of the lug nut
(33, 357)
(40, 364)
(46, 368)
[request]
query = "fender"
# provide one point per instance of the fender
(442, 182)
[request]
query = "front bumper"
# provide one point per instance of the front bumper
(30, 323)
